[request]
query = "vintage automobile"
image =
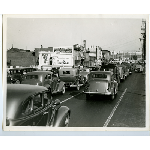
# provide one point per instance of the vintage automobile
(103, 83)
(71, 77)
(15, 75)
(94, 68)
(122, 72)
(113, 68)
(45, 78)
(30, 105)
(85, 73)
(138, 68)
(126, 70)
(129, 67)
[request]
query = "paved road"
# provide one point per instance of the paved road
(126, 110)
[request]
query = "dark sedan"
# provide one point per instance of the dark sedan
(30, 105)
(46, 79)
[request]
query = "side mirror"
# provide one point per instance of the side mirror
(57, 102)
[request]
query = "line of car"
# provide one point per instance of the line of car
(30, 101)
(106, 80)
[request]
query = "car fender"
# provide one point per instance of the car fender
(59, 115)
(61, 84)
(47, 85)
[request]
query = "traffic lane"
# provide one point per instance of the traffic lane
(94, 113)
(135, 83)
(132, 108)
(91, 113)
(70, 92)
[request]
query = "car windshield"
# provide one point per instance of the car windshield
(106, 69)
(99, 76)
(31, 77)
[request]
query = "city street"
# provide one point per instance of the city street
(126, 110)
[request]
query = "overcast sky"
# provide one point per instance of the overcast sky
(108, 33)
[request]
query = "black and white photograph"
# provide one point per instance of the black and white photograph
(76, 72)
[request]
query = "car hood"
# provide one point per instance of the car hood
(98, 86)
(32, 82)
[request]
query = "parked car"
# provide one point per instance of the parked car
(15, 75)
(45, 78)
(103, 83)
(113, 68)
(138, 68)
(71, 77)
(30, 105)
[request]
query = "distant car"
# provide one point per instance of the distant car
(122, 71)
(15, 75)
(103, 83)
(71, 77)
(138, 68)
(113, 68)
(30, 105)
(46, 79)
(85, 73)
(129, 67)
(94, 68)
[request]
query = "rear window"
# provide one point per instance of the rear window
(99, 76)
(31, 77)
(106, 69)
(66, 72)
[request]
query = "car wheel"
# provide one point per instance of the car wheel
(116, 90)
(87, 96)
(83, 80)
(17, 82)
(113, 95)
(63, 90)
(78, 86)
(65, 120)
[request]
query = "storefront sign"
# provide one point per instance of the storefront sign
(63, 49)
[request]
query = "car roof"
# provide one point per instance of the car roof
(17, 93)
(67, 69)
(39, 73)
(20, 68)
(104, 72)
(23, 89)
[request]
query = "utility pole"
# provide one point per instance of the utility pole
(143, 41)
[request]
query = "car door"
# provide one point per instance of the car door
(41, 109)
(47, 80)
(54, 84)
(26, 113)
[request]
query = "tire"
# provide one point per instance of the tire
(87, 96)
(116, 91)
(112, 96)
(64, 121)
(63, 90)
(17, 82)
(78, 86)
